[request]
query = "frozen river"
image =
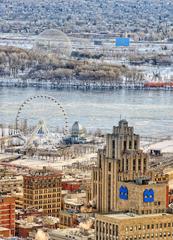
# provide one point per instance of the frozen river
(151, 112)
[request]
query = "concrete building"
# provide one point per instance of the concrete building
(133, 227)
(42, 190)
(142, 197)
(132, 203)
(7, 213)
(120, 160)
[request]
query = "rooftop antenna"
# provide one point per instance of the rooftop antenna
(120, 117)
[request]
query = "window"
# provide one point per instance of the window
(125, 145)
(109, 167)
(139, 164)
(113, 149)
(134, 164)
(135, 144)
(127, 165)
(130, 144)
(145, 165)
(99, 160)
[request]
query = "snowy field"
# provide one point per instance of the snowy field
(165, 146)
(36, 163)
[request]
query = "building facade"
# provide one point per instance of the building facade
(120, 160)
(42, 190)
(132, 204)
(142, 197)
(7, 213)
(134, 227)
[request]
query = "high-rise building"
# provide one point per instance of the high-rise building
(131, 205)
(42, 190)
(120, 160)
(7, 213)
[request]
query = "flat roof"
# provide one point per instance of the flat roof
(126, 216)
(4, 229)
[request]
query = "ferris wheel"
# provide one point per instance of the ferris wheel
(38, 100)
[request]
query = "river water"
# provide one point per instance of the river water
(150, 112)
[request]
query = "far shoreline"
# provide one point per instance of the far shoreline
(77, 87)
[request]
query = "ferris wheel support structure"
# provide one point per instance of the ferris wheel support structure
(38, 97)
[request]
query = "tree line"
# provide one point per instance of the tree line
(28, 64)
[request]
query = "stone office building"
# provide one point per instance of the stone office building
(130, 205)
(120, 160)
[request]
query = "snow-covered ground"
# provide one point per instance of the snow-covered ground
(35, 163)
(165, 146)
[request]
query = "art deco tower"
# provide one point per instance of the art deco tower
(120, 160)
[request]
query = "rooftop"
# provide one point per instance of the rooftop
(127, 216)
(43, 172)
(4, 229)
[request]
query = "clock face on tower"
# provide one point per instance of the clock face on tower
(123, 193)
(148, 195)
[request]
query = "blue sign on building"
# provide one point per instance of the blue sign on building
(122, 42)
(123, 193)
(148, 195)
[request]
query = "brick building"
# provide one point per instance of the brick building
(42, 190)
(7, 213)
